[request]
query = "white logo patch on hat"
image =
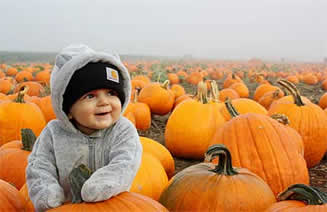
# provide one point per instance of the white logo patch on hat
(112, 75)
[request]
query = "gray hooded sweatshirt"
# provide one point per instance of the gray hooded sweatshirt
(114, 153)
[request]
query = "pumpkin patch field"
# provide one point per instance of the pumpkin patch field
(256, 129)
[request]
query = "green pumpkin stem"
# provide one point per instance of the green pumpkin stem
(301, 192)
(293, 91)
(20, 95)
(225, 159)
(230, 108)
(77, 178)
(28, 139)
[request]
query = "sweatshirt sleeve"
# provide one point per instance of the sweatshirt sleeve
(118, 175)
(41, 175)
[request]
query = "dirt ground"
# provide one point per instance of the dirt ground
(318, 174)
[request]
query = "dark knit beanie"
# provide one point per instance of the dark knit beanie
(94, 75)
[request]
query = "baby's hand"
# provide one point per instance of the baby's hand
(77, 178)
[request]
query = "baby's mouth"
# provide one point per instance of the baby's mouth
(102, 114)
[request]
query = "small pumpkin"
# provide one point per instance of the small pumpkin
(158, 96)
(13, 161)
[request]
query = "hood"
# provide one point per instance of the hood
(72, 58)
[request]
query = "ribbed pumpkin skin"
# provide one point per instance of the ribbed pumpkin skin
(190, 127)
(15, 116)
(151, 178)
(13, 163)
(310, 121)
(29, 207)
(295, 206)
(265, 147)
(197, 189)
(243, 106)
(124, 202)
(161, 152)
(10, 198)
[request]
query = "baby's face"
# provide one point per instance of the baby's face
(95, 110)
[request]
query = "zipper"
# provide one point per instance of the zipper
(92, 154)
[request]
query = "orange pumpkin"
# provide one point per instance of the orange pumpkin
(206, 186)
(17, 158)
(178, 90)
(192, 124)
(243, 106)
(141, 112)
(24, 76)
(308, 119)
(300, 197)
(228, 93)
(161, 152)
(265, 147)
(241, 89)
(151, 178)
(17, 115)
(159, 97)
(126, 201)
(35, 88)
(10, 198)
(323, 101)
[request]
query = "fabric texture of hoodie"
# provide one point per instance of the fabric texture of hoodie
(113, 154)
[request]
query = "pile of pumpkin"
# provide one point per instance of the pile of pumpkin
(254, 152)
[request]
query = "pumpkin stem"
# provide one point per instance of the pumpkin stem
(136, 94)
(28, 139)
(214, 91)
(293, 90)
(281, 118)
(230, 108)
(308, 194)
(225, 159)
(165, 84)
(20, 95)
(77, 178)
(202, 92)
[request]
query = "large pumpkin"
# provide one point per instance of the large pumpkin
(265, 147)
(18, 114)
(124, 202)
(308, 119)
(299, 198)
(209, 187)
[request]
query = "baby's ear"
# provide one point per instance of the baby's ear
(70, 116)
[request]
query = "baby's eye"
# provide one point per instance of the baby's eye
(89, 96)
(112, 93)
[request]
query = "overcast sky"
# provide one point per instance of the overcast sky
(225, 29)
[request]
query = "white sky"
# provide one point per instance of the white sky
(229, 29)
